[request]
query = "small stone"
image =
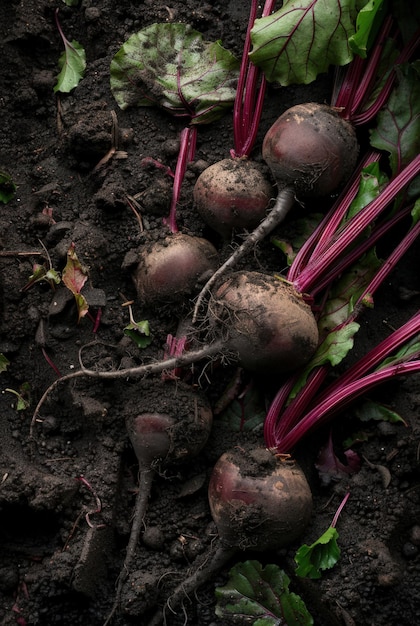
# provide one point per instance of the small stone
(409, 550)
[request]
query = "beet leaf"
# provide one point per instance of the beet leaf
(74, 277)
(7, 188)
(171, 66)
(323, 553)
(330, 467)
(370, 410)
(4, 362)
(260, 596)
(139, 332)
(367, 23)
(302, 40)
(320, 555)
(246, 411)
(398, 124)
(72, 63)
(42, 273)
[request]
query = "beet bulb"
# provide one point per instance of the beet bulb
(311, 152)
(167, 423)
(311, 149)
(267, 324)
(173, 269)
(232, 194)
(259, 502)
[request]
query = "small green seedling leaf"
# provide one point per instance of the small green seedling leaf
(74, 277)
(23, 396)
(321, 555)
(7, 187)
(173, 67)
(72, 63)
(42, 273)
(367, 23)
(139, 332)
(302, 39)
(260, 596)
(4, 362)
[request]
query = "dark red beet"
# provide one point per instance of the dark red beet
(312, 149)
(233, 194)
(173, 269)
(265, 321)
(167, 423)
(258, 500)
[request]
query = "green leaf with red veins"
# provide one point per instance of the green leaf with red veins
(302, 39)
(74, 277)
(246, 411)
(260, 596)
(398, 128)
(173, 67)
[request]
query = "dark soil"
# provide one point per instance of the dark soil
(60, 554)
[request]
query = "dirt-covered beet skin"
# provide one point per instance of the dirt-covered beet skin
(171, 270)
(258, 500)
(312, 149)
(233, 194)
(267, 323)
(170, 422)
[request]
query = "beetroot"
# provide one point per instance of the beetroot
(179, 430)
(267, 324)
(167, 423)
(258, 501)
(173, 269)
(312, 149)
(232, 194)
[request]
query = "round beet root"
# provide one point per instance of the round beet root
(312, 149)
(265, 321)
(173, 269)
(258, 501)
(232, 194)
(168, 423)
